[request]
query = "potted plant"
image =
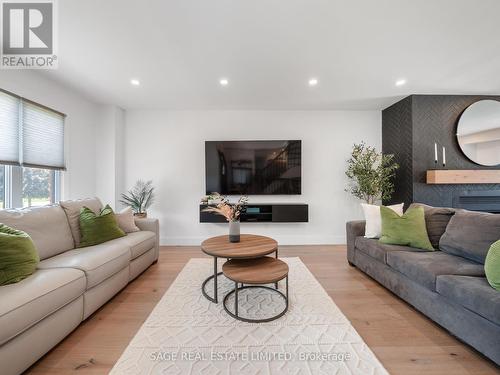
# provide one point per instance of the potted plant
(231, 211)
(371, 174)
(139, 198)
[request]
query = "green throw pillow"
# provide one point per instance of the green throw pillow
(492, 265)
(407, 230)
(18, 255)
(98, 228)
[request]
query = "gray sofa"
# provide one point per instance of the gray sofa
(449, 286)
(70, 283)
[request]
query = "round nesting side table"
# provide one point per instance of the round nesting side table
(256, 272)
(250, 246)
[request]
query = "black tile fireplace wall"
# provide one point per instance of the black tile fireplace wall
(409, 130)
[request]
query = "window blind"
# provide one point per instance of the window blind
(42, 137)
(9, 129)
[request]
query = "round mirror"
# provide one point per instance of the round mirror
(478, 132)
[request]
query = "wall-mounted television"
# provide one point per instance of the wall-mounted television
(253, 167)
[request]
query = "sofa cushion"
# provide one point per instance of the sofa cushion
(473, 293)
(373, 228)
(18, 256)
(470, 234)
(98, 227)
(47, 226)
(126, 221)
(492, 266)
(138, 242)
(72, 211)
(436, 221)
(36, 297)
(424, 267)
(407, 230)
(98, 262)
(377, 249)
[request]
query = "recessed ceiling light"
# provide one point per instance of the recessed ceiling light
(313, 82)
(224, 82)
(135, 82)
(401, 82)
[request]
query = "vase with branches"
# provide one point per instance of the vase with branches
(139, 198)
(231, 211)
(371, 174)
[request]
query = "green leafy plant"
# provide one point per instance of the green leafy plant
(371, 173)
(140, 197)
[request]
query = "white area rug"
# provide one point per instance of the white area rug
(187, 334)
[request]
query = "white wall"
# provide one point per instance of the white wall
(83, 115)
(109, 154)
(104, 158)
(168, 147)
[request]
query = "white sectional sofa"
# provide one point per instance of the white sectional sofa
(69, 285)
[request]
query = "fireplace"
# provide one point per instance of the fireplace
(478, 200)
(410, 128)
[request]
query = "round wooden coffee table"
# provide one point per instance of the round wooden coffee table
(257, 273)
(250, 246)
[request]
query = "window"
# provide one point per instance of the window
(31, 152)
(2, 186)
(28, 187)
(38, 187)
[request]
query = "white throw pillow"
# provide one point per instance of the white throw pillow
(373, 219)
(125, 220)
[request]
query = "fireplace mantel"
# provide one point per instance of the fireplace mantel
(459, 176)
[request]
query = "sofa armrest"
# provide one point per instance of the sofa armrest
(152, 225)
(353, 229)
(147, 224)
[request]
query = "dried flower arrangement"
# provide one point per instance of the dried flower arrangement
(231, 211)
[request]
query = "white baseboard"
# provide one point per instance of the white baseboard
(282, 240)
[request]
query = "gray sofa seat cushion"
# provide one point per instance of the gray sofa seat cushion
(473, 293)
(29, 301)
(47, 226)
(138, 242)
(436, 221)
(99, 262)
(377, 249)
(470, 234)
(425, 267)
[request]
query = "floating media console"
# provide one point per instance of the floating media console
(264, 213)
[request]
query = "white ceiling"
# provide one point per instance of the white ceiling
(268, 49)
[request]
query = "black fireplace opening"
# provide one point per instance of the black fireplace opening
(478, 200)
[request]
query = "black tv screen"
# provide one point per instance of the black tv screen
(253, 167)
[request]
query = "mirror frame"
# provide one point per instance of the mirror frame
(457, 127)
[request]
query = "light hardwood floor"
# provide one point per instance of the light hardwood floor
(405, 341)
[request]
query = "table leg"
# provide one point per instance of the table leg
(213, 299)
(215, 279)
(236, 299)
(276, 283)
(286, 289)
